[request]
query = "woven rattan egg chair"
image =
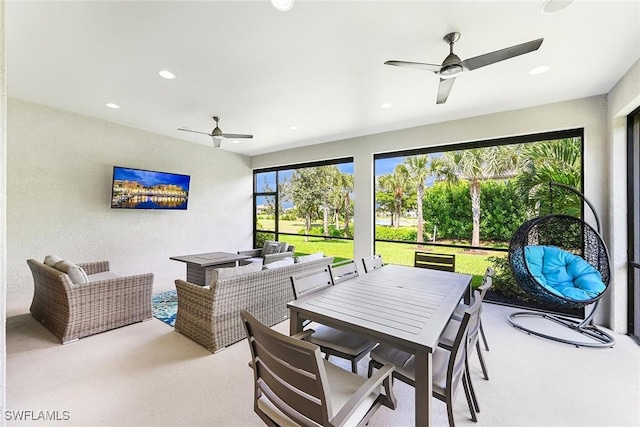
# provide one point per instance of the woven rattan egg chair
(572, 239)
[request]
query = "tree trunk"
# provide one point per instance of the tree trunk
(396, 214)
(420, 219)
(307, 225)
(474, 187)
(325, 220)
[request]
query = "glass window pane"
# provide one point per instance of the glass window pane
(266, 182)
(265, 213)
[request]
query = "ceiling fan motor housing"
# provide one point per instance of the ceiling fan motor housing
(451, 67)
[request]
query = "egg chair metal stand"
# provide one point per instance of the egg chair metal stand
(573, 235)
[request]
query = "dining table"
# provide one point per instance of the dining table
(405, 307)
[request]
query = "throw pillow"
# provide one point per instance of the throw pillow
(270, 247)
(282, 247)
(76, 274)
(277, 264)
(312, 257)
(225, 273)
(52, 260)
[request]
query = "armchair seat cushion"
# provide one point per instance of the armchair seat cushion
(105, 275)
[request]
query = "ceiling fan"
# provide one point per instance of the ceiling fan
(217, 134)
(453, 66)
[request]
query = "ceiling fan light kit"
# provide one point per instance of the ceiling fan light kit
(453, 66)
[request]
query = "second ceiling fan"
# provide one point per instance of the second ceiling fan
(217, 134)
(453, 66)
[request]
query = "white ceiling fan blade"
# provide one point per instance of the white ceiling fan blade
(501, 55)
(418, 65)
(194, 131)
(443, 90)
(236, 135)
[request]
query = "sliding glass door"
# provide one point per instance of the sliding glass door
(633, 187)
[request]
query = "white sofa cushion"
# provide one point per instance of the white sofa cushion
(224, 273)
(52, 260)
(75, 273)
(311, 257)
(277, 264)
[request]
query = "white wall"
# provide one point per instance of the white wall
(59, 188)
(3, 229)
(588, 113)
(622, 100)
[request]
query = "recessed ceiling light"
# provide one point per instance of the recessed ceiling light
(555, 6)
(112, 105)
(294, 127)
(235, 142)
(282, 5)
(386, 105)
(167, 74)
(539, 70)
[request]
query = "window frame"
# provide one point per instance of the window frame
(277, 170)
(520, 139)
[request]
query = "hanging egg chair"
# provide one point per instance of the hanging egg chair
(562, 262)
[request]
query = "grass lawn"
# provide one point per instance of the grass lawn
(469, 262)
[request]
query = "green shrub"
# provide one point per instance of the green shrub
(503, 281)
(385, 232)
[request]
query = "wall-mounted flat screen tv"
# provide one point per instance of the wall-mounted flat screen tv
(143, 189)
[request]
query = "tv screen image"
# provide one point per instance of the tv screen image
(143, 189)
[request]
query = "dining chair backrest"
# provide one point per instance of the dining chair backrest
(456, 366)
(434, 261)
(486, 285)
(288, 373)
(371, 263)
(312, 282)
(343, 272)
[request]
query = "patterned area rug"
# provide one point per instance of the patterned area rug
(165, 307)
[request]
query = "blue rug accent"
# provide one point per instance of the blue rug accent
(165, 307)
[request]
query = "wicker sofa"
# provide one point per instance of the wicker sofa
(73, 311)
(211, 315)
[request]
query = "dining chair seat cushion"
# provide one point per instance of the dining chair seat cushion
(563, 273)
(386, 354)
(343, 385)
(344, 342)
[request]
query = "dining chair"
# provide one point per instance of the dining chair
(487, 281)
(332, 341)
(434, 261)
(447, 340)
(371, 263)
(343, 272)
(293, 385)
(448, 366)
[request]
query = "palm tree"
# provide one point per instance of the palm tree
(396, 184)
(543, 162)
(418, 170)
(476, 165)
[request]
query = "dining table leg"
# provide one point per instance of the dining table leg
(295, 323)
(423, 387)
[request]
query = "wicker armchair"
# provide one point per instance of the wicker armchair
(73, 311)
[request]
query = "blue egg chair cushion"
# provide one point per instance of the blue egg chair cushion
(563, 273)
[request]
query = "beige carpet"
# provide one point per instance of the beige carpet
(148, 375)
